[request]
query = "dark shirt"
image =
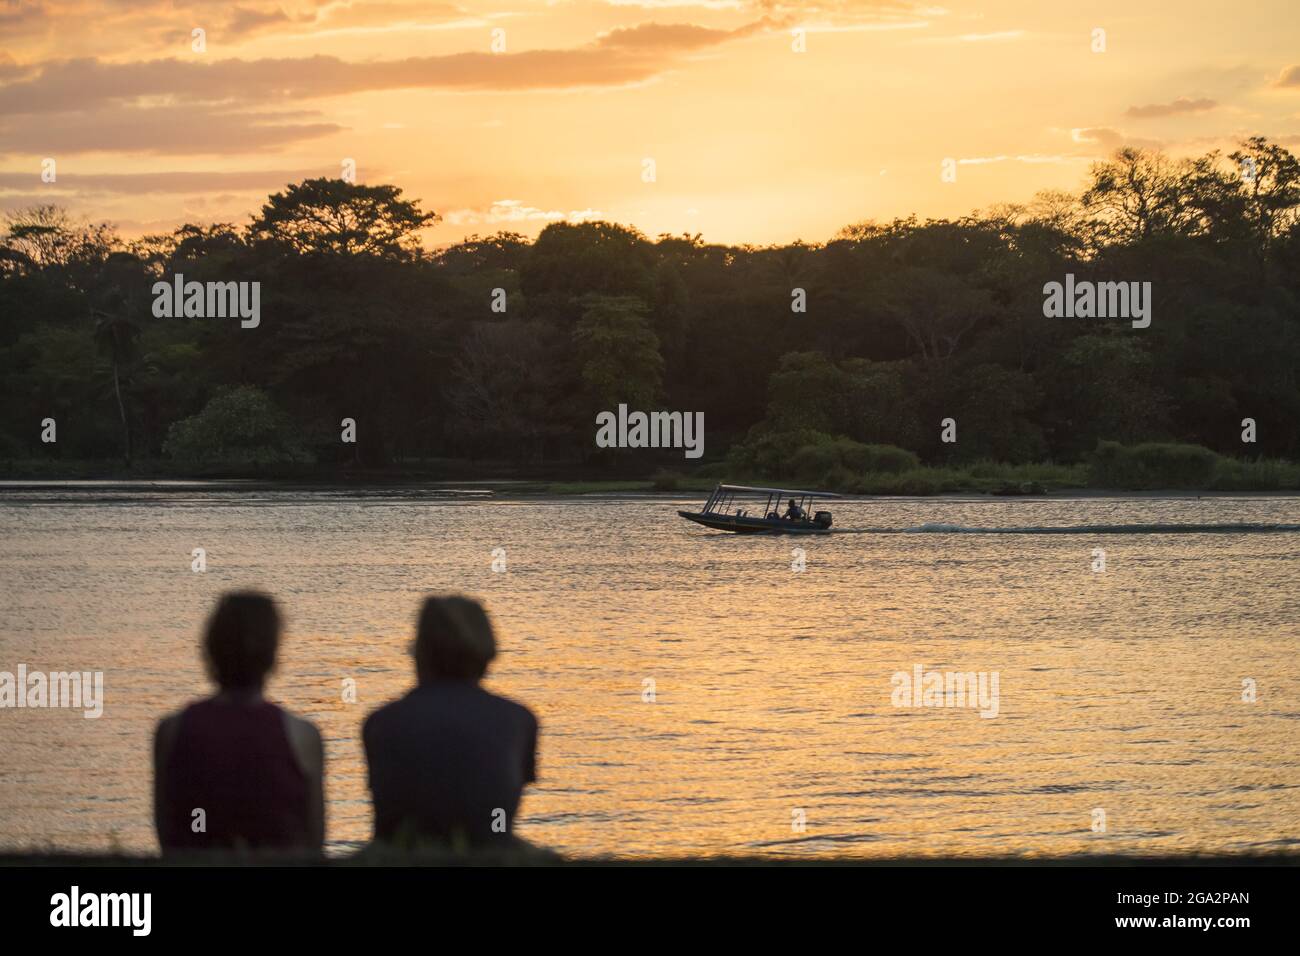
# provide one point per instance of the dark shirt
(234, 761)
(445, 759)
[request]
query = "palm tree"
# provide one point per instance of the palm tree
(115, 333)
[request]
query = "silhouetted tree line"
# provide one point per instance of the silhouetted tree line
(906, 324)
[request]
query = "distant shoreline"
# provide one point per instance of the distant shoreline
(860, 471)
(496, 489)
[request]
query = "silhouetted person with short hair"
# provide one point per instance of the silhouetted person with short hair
(255, 770)
(449, 761)
(794, 513)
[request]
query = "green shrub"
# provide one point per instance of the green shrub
(827, 461)
(918, 481)
(889, 459)
(665, 480)
(812, 463)
(838, 479)
(771, 454)
(239, 425)
(1152, 465)
(1262, 474)
(714, 469)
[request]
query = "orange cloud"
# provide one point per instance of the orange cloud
(621, 57)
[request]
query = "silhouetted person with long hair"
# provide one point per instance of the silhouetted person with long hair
(254, 770)
(449, 761)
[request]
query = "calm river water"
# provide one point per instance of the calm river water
(697, 694)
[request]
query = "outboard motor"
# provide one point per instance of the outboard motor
(822, 519)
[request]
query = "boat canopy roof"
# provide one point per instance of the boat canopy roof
(778, 491)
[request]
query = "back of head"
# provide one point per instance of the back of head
(241, 640)
(453, 639)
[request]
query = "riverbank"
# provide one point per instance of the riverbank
(114, 489)
(975, 480)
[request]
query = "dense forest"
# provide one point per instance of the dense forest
(502, 349)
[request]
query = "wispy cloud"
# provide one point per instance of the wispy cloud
(515, 211)
(1109, 139)
(183, 106)
(1023, 158)
(175, 130)
(1000, 36)
(1174, 108)
(140, 184)
(622, 56)
(1289, 77)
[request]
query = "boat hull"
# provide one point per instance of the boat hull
(748, 524)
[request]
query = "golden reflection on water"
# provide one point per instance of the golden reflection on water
(1119, 692)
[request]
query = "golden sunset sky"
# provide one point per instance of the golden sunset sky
(752, 141)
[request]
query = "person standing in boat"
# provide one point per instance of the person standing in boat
(235, 771)
(794, 512)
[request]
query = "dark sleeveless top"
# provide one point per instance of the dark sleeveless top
(234, 761)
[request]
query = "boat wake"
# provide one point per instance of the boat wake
(941, 528)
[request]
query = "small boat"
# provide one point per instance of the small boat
(722, 513)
